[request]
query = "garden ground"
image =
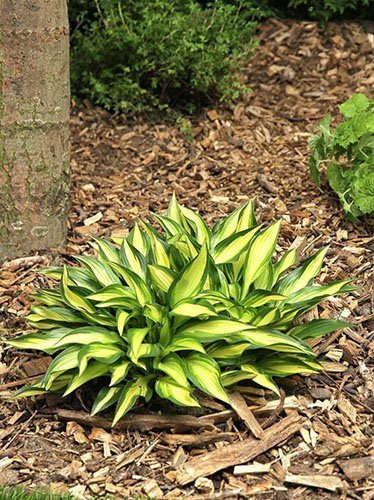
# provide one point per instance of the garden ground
(317, 439)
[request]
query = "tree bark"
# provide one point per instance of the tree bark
(34, 120)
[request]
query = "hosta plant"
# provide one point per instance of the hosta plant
(187, 307)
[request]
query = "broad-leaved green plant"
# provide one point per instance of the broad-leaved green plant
(188, 307)
(348, 154)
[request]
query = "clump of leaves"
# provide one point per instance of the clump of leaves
(188, 307)
(348, 155)
(132, 55)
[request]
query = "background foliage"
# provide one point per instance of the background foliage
(133, 55)
(348, 155)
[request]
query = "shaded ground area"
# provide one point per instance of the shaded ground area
(124, 167)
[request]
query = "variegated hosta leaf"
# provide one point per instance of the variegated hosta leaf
(106, 397)
(107, 251)
(182, 342)
(40, 341)
(284, 366)
(302, 276)
(317, 328)
(227, 354)
(59, 314)
(271, 339)
(119, 371)
(190, 280)
(173, 366)
(138, 239)
(101, 271)
(130, 393)
(241, 219)
(48, 297)
(287, 260)
(66, 360)
(100, 352)
(229, 249)
(87, 335)
(168, 388)
(162, 277)
(135, 337)
(213, 329)
(176, 309)
(201, 231)
(135, 282)
(309, 293)
(94, 370)
(112, 292)
(132, 259)
(259, 298)
(73, 299)
(192, 309)
(258, 255)
(204, 373)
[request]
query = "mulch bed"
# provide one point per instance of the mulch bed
(316, 442)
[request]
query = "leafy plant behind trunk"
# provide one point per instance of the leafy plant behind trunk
(133, 55)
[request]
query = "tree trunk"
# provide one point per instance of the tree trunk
(34, 115)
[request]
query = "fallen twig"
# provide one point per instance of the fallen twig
(136, 421)
(270, 420)
(24, 262)
(16, 383)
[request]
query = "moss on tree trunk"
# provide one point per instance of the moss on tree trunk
(34, 119)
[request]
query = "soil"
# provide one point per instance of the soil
(124, 167)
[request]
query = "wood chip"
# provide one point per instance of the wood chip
(358, 468)
(91, 220)
(129, 457)
(77, 431)
(346, 407)
(254, 468)
(98, 434)
(212, 115)
(152, 489)
(330, 483)
(238, 453)
(197, 440)
(266, 184)
(205, 485)
(36, 366)
(240, 406)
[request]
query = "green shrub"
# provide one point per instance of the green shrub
(319, 10)
(131, 55)
(326, 10)
(348, 156)
(166, 313)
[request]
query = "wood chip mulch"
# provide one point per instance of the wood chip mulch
(313, 442)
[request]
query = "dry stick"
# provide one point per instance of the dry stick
(240, 406)
(238, 453)
(350, 395)
(270, 420)
(16, 383)
(135, 421)
(22, 428)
